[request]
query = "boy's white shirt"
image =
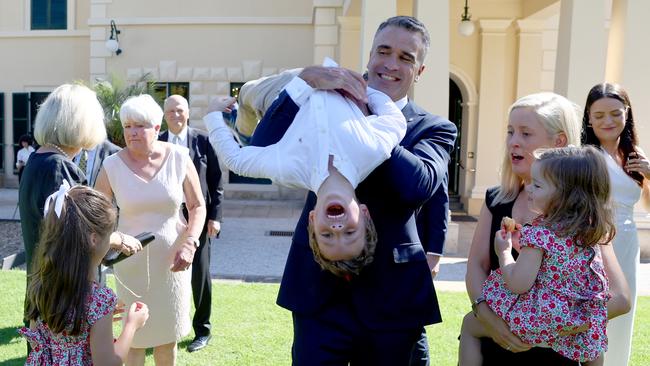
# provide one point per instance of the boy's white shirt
(326, 124)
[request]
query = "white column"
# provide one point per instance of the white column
(431, 92)
(492, 106)
(373, 13)
(581, 51)
(349, 42)
(629, 61)
(8, 140)
(326, 31)
(529, 70)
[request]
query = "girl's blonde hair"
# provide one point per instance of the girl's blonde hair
(557, 115)
(579, 206)
(70, 116)
(60, 285)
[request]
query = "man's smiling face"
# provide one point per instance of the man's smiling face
(395, 61)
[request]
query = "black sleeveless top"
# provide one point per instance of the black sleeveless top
(493, 354)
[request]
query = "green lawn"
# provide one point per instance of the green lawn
(249, 329)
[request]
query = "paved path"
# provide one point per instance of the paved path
(245, 250)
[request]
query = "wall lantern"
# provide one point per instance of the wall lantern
(466, 26)
(113, 44)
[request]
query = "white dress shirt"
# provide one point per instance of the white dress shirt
(90, 162)
(23, 155)
(182, 137)
(326, 124)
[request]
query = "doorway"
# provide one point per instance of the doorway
(456, 117)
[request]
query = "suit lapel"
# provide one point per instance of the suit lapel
(191, 141)
(411, 113)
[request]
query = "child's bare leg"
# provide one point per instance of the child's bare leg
(469, 352)
(597, 362)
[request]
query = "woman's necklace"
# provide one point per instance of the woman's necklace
(57, 148)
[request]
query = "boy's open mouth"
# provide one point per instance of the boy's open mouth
(335, 211)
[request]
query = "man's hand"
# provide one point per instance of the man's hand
(214, 228)
(433, 261)
(221, 103)
(346, 82)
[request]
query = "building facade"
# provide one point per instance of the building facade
(209, 47)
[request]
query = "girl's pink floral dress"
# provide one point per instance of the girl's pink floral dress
(63, 349)
(570, 290)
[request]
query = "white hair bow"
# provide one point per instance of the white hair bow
(58, 197)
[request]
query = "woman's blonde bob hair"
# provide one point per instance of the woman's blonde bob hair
(71, 116)
(141, 109)
(557, 115)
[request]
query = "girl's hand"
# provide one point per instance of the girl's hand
(138, 314)
(516, 235)
(502, 242)
(638, 163)
(119, 310)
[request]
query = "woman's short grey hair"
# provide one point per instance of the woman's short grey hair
(71, 116)
(141, 109)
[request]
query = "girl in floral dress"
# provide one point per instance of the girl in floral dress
(71, 315)
(555, 295)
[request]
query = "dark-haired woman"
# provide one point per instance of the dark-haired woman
(608, 122)
(25, 142)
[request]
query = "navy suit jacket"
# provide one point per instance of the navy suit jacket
(207, 166)
(396, 290)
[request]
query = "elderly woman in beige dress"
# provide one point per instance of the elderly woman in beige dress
(149, 180)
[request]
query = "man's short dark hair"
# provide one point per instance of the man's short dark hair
(411, 24)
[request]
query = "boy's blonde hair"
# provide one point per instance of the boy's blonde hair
(579, 206)
(350, 266)
(557, 115)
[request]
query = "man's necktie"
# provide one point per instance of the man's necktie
(176, 140)
(83, 161)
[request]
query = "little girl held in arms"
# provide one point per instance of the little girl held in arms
(71, 315)
(555, 295)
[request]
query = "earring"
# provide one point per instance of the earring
(417, 78)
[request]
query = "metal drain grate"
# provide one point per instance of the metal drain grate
(279, 233)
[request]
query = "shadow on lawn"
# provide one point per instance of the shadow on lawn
(18, 361)
(7, 335)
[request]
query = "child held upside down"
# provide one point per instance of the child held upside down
(329, 148)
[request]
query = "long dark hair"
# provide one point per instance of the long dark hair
(628, 140)
(60, 284)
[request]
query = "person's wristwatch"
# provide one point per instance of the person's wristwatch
(476, 302)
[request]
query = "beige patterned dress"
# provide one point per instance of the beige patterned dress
(153, 206)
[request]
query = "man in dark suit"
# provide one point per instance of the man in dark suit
(205, 160)
(90, 161)
(377, 317)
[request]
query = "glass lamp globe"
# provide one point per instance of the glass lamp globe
(466, 28)
(112, 45)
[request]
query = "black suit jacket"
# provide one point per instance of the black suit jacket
(396, 290)
(207, 166)
(104, 150)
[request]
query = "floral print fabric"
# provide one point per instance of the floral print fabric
(62, 349)
(570, 291)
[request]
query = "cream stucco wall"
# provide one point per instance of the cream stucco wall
(12, 15)
(210, 43)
